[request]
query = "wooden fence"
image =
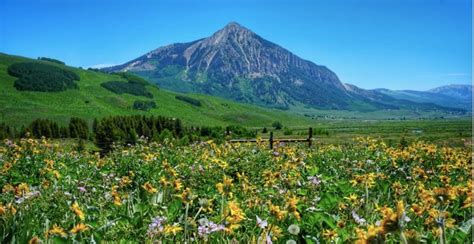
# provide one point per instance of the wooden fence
(271, 140)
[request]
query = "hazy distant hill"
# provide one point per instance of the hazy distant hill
(456, 91)
(455, 96)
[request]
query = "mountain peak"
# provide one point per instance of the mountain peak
(233, 24)
(233, 28)
(232, 32)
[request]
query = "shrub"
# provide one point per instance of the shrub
(277, 125)
(287, 131)
(189, 100)
(144, 105)
(42, 77)
(131, 78)
(120, 87)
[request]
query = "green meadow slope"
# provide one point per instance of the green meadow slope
(91, 100)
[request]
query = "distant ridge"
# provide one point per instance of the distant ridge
(455, 96)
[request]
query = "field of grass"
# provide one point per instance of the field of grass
(453, 132)
(364, 192)
(383, 114)
(91, 101)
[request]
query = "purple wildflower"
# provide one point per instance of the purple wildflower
(314, 180)
(156, 226)
(207, 227)
(359, 220)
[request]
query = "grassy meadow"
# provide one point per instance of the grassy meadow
(91, 101)
(453, 132)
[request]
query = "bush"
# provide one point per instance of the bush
(51, 60)
(42, 77)
(144, 105)
(277, 125)
(287, 131)
(120, 87)
(189, 100)
(131, 78)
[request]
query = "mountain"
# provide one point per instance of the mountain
(454, 96)
(463, 92)
(91, 98)
(238, 64)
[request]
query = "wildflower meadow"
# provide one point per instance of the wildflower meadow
(365, 192)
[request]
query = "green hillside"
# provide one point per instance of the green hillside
(91, 99)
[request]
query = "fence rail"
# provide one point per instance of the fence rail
(271, 140)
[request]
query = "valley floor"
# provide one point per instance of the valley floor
(454, 132)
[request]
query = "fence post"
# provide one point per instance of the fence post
(310, 136)
(271, 140)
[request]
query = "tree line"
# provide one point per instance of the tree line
(38, 128)
(122, 130)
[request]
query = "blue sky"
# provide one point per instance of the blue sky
(395, 44)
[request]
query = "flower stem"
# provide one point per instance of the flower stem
(403, 238)
(443, 233)
(186, 223)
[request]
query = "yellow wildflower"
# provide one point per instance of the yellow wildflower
(172, 229)
(177, 185)
(236, 214)
(22, 189)
(352, 198)
(277, 212)
(220, 188)
(6, 166)
(79, 228)
(164, 182)
(56, 230)
(116, 196)
(417, 209)
(149, 187)
(124, 181)
(8, 188)
(330, 234)
(77, 210)
(12, 208)
(275, 231)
